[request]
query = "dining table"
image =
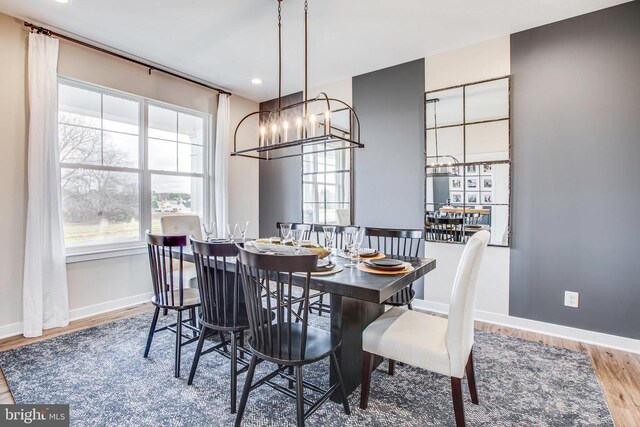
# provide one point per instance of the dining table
(356, 299)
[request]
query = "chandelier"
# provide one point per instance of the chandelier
(318, 124)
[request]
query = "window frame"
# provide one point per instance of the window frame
(138, 246)
(304, 175)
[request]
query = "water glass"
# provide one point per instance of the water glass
(354, 248)
(348, 238)
(231, 231)
(329, 236)
(244, 226)
(285, 231)
(209, 230)
(296, 237)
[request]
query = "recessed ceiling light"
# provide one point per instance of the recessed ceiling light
(256, 81)
(61, 1)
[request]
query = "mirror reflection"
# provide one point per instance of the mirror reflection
(468, 172)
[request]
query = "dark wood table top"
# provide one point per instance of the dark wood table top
(354, 283)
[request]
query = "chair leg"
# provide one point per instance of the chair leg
(300, 307)
(234, 369)
(367, 367)
(223, 339)
(196, 356)
(392, 367)
(245, 390)
(320, 309)
(299, 397)
(241, 343)
(192, 321)
(290, 372)
(341, 389)
(458, 406)
(178, 343)
(152, 331)
(471, 380)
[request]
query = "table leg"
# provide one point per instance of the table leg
(349, 317)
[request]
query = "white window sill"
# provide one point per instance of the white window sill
(104, 254)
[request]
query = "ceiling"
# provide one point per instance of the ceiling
(230, 42)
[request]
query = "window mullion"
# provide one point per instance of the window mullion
(145, 192)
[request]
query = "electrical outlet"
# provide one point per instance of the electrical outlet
(571, 299)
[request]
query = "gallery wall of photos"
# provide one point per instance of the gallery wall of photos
(474, 188)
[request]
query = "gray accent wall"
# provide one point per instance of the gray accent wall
(280, 184)
(576, 172)
(389, 170)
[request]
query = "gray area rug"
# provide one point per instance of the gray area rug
(101, 373)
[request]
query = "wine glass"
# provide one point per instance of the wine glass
(354, 249)
(348, 239)
(244, 226)
(329, 236)
(285, 231)
(209, 229)
(231, 231)
(296, 237)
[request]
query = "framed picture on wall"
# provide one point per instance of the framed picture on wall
(472, 169)
(456, 183)
(486, 169)
(472, 183)
(487, 183)
(487, 198)
(472, 198)
(457, 198)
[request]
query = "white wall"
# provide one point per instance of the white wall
(473, 63)
(104, 284)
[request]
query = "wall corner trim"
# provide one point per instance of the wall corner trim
(574, 334)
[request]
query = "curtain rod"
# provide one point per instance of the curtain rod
(47, 32)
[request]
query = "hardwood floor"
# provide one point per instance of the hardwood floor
(617, 371)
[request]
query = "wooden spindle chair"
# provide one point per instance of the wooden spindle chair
(223, 310)
(170, 292)
(288, 344)
(444, 229)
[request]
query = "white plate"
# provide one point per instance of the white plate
(323, 263)
(367, 251)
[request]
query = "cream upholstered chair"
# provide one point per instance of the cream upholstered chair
(437, 344)
(183, 225)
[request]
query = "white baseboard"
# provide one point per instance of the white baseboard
(13, 329)
(566, 332)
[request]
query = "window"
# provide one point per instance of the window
(326, 177)
(125, 162)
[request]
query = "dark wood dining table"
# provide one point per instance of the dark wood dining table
(356, 300)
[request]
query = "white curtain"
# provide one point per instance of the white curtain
(45, 302)
(221, 155)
